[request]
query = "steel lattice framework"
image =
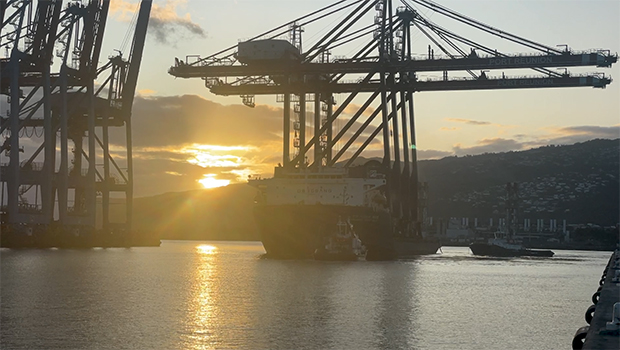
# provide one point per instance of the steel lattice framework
(48, 75)
(383, 73)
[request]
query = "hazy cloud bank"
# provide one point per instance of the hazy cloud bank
(493, 145)
(178, 140)
(556, 136)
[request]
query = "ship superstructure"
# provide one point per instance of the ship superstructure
(330, 186)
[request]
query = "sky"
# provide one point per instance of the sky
(187, 138)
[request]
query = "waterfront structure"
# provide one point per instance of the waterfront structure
(49, 81)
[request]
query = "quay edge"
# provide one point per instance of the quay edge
(603, 332)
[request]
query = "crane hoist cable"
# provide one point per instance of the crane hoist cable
(351, 19)
(130, 30)
(285, 25)
(442, 32)
(482, 26)
(352, 36)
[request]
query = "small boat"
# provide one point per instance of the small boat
(501, 247)
(341, 245)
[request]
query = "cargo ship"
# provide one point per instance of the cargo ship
(298, 207)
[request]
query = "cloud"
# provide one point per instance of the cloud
(123, 9)
(569, 135)
(556, 136)
(146, 92)
(468, 121)
(165, 24)
(352, 108)
(493, 145)
(178, 140)
(175, 121)
(432, 154)
(574, 134)
(448, 129)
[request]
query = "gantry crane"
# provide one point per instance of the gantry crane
(385, 70)
(52, 190)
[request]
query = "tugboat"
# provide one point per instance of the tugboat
(501, 247)
(342, 245)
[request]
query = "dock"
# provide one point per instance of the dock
(604, 315)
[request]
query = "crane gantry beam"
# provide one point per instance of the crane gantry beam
(568, 59)
(597, 81)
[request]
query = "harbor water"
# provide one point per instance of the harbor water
(224, 295)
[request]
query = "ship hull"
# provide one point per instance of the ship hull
(336, 256)
(495, 250)
(295, 231)
(411, 248)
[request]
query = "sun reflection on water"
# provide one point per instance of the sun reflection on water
(202, 308)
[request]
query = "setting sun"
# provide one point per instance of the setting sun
(209, 181)
(206, 249)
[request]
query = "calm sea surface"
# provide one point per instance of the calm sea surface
(222, 295)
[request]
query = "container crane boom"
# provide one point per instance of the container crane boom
(137, 48)
(597, 81)
(596, 58)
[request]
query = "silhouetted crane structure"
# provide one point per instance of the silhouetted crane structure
(383, 74)
(48, 75)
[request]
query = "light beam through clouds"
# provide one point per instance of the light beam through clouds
(205, 155)
(188, 142)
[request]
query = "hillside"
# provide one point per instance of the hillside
(579, 183)
(223, 213)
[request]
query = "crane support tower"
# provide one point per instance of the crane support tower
(58, 172)
(381, 76)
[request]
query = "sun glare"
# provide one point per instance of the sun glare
(209, 181)
(215, 156)
(206, 249)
